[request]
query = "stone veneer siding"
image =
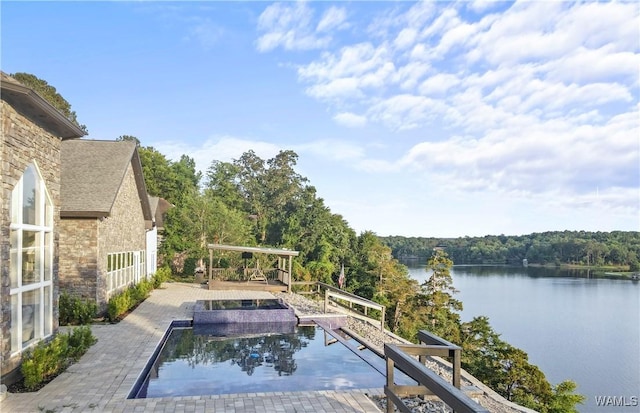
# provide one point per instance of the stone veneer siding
(78, 259)
(85, 243)
(24, 142)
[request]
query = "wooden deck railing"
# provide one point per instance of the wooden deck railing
(402, 356)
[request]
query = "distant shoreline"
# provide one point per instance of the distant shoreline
(605, 271)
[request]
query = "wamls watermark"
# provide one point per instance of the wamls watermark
(616, 401)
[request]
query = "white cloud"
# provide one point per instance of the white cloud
(592, 65)
(292, 27)
(438, 84)
(554, 158)
(402, 112)
(220, 148)
(525, 101)
(482, 5)
(350, 119)
(332, 149)
(333, 18)
(288, 27)
(359, 59)
(405, 38)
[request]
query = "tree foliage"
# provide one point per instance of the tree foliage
(49, 93)
(559, 247)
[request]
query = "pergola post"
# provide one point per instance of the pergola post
(210, 265)
(289, 276)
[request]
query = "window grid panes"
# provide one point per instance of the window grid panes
(124, 269)
(31, 261)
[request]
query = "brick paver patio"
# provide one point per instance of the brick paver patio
(102, 379)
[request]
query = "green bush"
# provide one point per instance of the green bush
(118, 304)
(140, 291)
(127, 299)
(190, 265)
(76, 311)
(47, 360)
(80, 339)
(162, 275)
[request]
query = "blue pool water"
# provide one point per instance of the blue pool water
(203, 363)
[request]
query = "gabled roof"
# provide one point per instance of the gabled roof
(92, 174)
(159, 207)
(27, 102)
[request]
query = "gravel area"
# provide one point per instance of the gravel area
(376, 338)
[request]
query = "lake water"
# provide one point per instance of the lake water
(573, 327)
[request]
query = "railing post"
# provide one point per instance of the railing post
(456, 367)
(326, 300)
(390, 368)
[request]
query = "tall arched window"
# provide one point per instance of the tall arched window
(31, 260)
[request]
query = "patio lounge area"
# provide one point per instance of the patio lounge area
(258, 276)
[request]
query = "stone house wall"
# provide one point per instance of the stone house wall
(24, 142)
(78, 259)
(85, 243)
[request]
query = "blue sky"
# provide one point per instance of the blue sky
(438, 119)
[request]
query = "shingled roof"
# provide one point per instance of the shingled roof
(159, 207)
(38, 109)
(92, 173)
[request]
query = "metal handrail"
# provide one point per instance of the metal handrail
(401, 356)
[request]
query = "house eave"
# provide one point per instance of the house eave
(35, 106)
(84, 214)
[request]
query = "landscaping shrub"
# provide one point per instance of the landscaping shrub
(119, 304)
(162, 275)
(190, 265)
(129, 298)
(80, 339)
(76, 311)
(140, 291)
(47, 360)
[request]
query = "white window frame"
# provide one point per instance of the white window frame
(43, 287)
(124, 268)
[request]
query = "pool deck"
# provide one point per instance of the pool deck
(102, 379)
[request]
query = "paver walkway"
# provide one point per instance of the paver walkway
(102, 379)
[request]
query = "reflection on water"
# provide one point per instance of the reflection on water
(192, 364)
(247, 353)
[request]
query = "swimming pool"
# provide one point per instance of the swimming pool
(196, 362)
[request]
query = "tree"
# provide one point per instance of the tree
(129, 138)
(157, 173)
(564, 398)
(438, 293)
(222, 181)
(49, 93)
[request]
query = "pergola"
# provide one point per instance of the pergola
(284, 258)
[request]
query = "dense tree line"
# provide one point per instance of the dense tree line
(251, 201)
(619, 248)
